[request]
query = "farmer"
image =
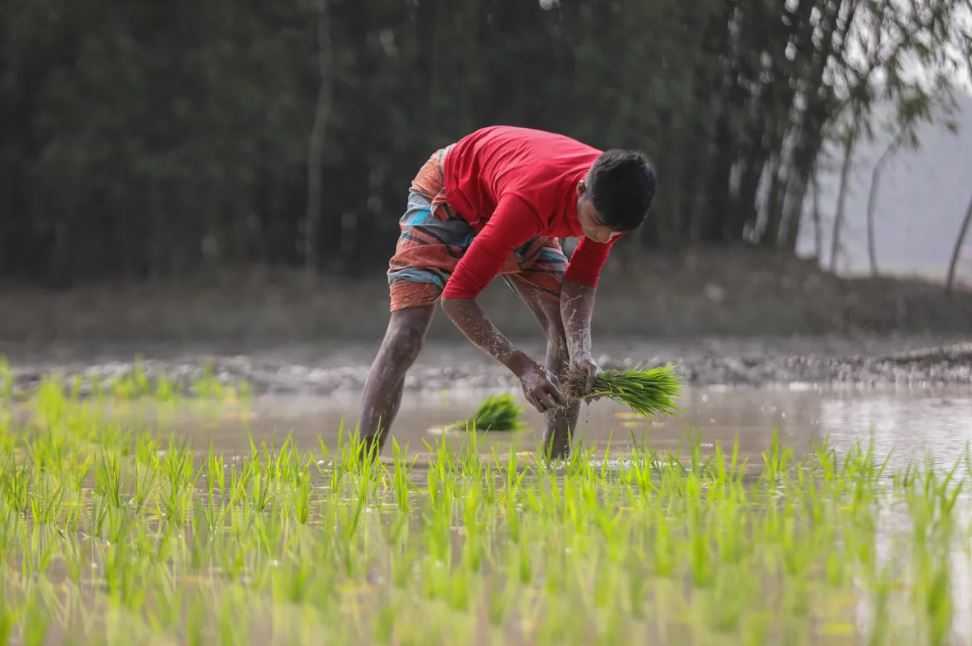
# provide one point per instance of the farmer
(495, 203)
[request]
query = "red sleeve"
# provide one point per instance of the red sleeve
(586, 262)
(513, 222)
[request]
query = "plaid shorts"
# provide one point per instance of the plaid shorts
(434, 237)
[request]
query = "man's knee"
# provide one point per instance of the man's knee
(405, 340)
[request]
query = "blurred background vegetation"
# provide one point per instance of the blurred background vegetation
(158, 141)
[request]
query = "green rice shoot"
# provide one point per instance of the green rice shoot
(115, 530)
(496, 413)
(647, 392)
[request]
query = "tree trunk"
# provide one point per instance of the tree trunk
(817, 230)
(315, 156)
(958, 249)
(710, 228)
(841, 198)
(774, 206)
(872, 200)
(794, 205)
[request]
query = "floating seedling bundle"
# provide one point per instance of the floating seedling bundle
(646, 392)
(496, 413)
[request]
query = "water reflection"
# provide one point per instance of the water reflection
(914, 422)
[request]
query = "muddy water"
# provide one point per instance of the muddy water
(915, 422)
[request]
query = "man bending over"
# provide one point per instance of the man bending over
(494, 203)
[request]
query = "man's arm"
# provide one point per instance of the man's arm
(577, 303)
(539, 386)
(473, 322)
(576, 310)
(513, 222)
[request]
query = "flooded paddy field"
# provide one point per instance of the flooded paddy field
(787, 514)
(909, 422)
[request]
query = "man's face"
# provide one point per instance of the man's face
(590, 220)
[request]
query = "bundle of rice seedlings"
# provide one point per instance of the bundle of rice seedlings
(496, 413)
(646, 392)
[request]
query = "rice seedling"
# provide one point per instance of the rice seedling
(647, 392)
(496, 413)
(108, 533)
(6, 379)
(133, 384)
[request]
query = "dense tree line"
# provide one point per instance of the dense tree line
(157, 140)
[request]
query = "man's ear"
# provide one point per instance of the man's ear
(581, 188)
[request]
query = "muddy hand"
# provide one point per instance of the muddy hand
(541, 388)
(585, 366)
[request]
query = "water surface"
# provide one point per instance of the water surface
(908, 422)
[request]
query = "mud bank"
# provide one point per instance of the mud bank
(450, 367)
(704, 291)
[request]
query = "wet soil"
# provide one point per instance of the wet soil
(330, 368)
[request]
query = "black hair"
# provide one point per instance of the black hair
(622, 186)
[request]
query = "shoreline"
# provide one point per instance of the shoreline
(453, 367)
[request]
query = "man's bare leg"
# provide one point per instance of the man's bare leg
(386, 379)
(559, 423)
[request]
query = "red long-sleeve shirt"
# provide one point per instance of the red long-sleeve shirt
(511, 185)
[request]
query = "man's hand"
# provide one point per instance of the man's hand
(584, 364)
(540, 386)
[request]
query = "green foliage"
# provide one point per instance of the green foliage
(177, 135)
(647, 392)
(496, 413)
